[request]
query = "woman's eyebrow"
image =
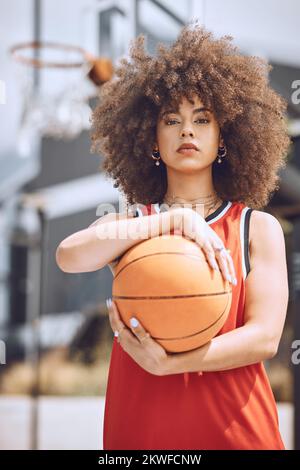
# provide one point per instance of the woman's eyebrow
(197, 110)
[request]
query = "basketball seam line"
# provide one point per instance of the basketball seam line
(191, 255)
(155, 297)
(194, 334)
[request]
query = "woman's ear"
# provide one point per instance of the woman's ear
(221, 141)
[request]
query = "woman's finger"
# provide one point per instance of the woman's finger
(222, 259)
(138, 329)
(210, 255)
(227, 262)
(114, 316)
(231, 268)
(221, 256)
(119, 328)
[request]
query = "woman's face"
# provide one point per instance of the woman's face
(191, 123)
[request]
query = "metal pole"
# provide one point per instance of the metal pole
(35, 322)
(37, 37)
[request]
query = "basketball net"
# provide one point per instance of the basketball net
(54, 90)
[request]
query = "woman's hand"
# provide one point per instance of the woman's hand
(146, 352)
(192, 225)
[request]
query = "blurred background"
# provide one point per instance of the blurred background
(54, 330)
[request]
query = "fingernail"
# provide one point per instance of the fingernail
(108, 302)
(133, 322)
(116, 333)
(235, 281)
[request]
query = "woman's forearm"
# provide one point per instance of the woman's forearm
(94, 247)
(240, 347)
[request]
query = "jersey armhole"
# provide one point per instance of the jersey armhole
(246, 250)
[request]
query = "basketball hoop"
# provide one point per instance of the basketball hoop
(55, 89)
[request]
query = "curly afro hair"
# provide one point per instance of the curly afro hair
(249, 112)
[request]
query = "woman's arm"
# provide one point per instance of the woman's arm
(265, 307)
(109, 237)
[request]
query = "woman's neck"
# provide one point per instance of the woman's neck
(195, 189)
(204, 206)
(190, 186)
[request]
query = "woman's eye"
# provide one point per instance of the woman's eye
(170, 120)
(201, 120)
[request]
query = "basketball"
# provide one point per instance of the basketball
(167, 284)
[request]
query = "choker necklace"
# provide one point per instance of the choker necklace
(209, 202)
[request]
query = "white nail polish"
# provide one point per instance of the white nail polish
(134, 322)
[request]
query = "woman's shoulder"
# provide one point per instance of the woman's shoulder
(262, 226)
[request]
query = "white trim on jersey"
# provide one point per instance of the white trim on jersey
(156, 207)
(139, 211)
(229, 204)
(242, 240)
(217, 217)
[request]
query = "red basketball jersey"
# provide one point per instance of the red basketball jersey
(232, 409)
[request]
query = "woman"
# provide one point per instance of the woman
(201, 91)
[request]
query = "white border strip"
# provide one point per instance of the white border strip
(2, 92)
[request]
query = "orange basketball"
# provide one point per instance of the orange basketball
(167, 284)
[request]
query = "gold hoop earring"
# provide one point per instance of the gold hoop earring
(221, 155)
(156, 156)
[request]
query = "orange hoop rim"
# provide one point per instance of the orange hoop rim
(39, 63)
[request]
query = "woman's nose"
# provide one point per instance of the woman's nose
(185, 132)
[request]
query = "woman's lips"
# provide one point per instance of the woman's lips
(187, 151)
